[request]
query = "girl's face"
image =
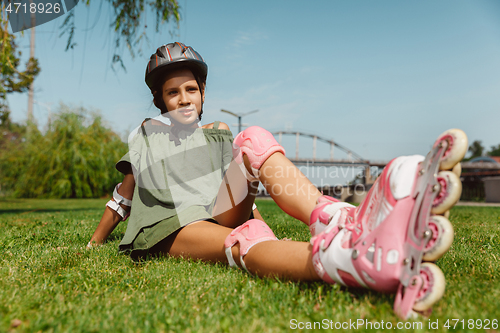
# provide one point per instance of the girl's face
(182, 96)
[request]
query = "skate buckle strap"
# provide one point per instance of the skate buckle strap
(324, 212)
(403, 304)
(353, 225)
(324, 239)
(330, 211)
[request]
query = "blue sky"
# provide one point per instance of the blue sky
(383, 78)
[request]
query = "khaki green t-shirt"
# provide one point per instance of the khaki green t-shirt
(177, 175)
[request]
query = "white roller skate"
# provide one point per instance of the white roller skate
(381, 244)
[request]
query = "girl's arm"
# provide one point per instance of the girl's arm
(110, 218)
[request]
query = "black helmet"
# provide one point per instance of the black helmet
(172, 56)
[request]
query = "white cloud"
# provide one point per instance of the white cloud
(245, 38)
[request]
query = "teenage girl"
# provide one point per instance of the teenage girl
(206, 193)
(190, 190)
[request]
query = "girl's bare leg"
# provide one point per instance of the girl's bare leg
(205, 241)
(288, 186)
(235, 198)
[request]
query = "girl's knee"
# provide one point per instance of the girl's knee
(258, 145)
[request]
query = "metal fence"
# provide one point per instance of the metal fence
(472, 189)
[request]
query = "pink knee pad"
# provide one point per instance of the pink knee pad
(248, 234)
(258, 144)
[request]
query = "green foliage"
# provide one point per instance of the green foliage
(494, 151)
(50, 283)
(128, 20)
(10, 132)
(129, 16)
(74, 159)
(12, 79)
(476, 149)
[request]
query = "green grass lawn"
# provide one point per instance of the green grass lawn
(50, 283)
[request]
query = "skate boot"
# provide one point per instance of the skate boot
(324, 212)
(386, 243)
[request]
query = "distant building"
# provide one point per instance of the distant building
(486, 159)
(482, 184)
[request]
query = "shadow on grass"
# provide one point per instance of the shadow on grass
(115, 237)
(42, 210)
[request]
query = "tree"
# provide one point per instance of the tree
(74, 159)
(129, 17)
(9, 131)
(476, 149)
(12, 79)
(494, 151)
(35, 166)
